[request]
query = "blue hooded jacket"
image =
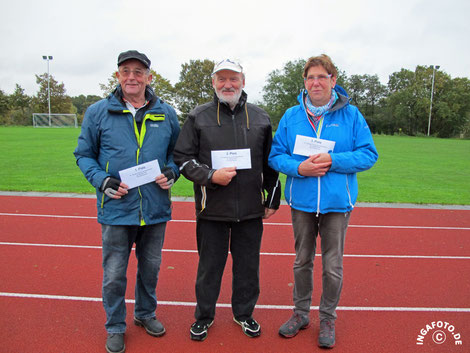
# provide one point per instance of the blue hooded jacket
(110, 141)
(354, 152)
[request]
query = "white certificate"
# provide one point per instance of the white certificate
(140, 174)
(240, 158)
(308, 146)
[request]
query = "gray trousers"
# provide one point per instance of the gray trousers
(332, 230)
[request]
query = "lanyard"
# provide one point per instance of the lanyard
(320, 125)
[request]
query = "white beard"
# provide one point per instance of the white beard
(231, 101)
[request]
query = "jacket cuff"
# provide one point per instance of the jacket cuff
(273, 199)
(209, 176)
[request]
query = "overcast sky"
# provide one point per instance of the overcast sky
(362, 37)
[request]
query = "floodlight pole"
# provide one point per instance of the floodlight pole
(48, 58)
(434, 68)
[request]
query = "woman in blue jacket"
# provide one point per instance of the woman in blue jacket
(320, 145)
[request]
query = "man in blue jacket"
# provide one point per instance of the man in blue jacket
(320, 145)
(130, 127)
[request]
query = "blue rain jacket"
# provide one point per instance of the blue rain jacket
(110, 141)
(354, 152)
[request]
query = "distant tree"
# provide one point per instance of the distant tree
(451, 106)
(400, 80)
(282, 88)
(357, 90)
(409, 98)
(409, 101)
(60, 102)
(110, 86)
(375, 92)
(366, 93)
(19, 100)
(342, 79)
(20, 104)
(4, 108)
(163, 88)
(194, 86)
(82, 102)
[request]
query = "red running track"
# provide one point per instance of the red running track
(404, 269)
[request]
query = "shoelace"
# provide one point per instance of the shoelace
(326, 329)
(295, 320)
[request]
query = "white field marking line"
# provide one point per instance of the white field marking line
(226, 305)
(262, 253)
(266, 223)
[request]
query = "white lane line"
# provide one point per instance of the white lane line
(262, 253)
(266, 223)
(53, 245)
(46, 215)
(227, 305)
(408, 227)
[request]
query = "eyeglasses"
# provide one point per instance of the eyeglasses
(125, 72)
(319, 78)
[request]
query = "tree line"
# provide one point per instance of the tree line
(400, 107)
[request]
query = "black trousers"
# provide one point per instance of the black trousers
(214, 238)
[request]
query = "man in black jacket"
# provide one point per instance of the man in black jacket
(223, 148)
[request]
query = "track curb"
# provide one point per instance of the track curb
(190, 199)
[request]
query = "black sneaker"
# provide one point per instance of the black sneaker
(115, 343)
(326, 338)
(249, 326)
(198, 331)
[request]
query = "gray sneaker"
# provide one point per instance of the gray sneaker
(326, 338)
(292, 326)
(152, 326)
(115, 343)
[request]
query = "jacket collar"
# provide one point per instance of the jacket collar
(341, 102)
(149, 95)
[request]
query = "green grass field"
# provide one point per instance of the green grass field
(409, 170)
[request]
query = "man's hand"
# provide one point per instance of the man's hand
(166, 179)
(316, 165)
(268, 212)
(223, 176)
(113, 188)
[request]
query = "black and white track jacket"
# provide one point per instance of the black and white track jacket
(214, 126)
